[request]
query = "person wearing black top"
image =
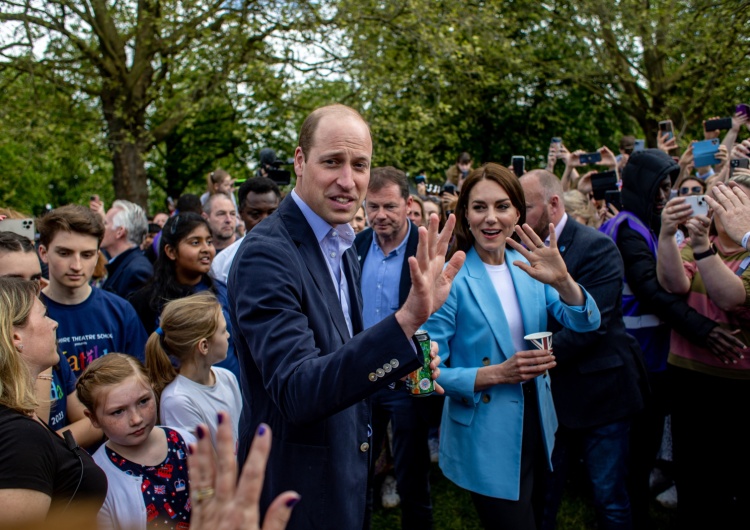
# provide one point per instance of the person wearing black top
(38, 468)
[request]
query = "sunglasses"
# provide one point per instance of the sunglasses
(695, 189)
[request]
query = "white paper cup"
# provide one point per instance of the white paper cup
(542, 340)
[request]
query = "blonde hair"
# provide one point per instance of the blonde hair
(109, 370)
(17, 299)
(215, 177)
(578, 205)
(184, 323)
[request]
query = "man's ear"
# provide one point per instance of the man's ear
(170, 252)
(43, 253)
(204, 215)
(92, 418)
(299, 161)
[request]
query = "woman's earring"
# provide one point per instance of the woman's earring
(19, 347)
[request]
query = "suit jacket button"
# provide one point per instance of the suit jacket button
(380, 372)
(486, 361)
(464, 401)
(364, 447)
(394, 363)
(387, 367)
(486, 398)
(372, 376)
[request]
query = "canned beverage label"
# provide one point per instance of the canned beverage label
(419, 383)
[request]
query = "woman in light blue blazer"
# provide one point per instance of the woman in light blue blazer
(499, 421)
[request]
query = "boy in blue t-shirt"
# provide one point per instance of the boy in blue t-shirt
(91, 322)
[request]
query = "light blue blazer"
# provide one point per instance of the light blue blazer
(480, 437)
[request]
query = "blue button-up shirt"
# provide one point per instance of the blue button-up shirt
(381, 276)
(333, 242)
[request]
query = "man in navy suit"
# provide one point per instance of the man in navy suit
(383, 251)
(125, 226)
(307, 366)
(597, 383)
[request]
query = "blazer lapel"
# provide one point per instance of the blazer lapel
(488, 302)
(528, 293)
(311, 255)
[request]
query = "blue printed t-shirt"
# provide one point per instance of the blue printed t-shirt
(63, 384)
(103, 323)
(165, 487)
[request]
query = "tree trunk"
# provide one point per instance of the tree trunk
(129, 175)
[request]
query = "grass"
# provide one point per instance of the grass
(453, 509)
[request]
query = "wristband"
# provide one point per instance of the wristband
(706, 253)
(745, 239)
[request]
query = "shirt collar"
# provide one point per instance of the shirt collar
(559, 227)
(320, 227)
(401, 246)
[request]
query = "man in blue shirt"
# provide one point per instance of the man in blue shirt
(383, 251)
(91, 322)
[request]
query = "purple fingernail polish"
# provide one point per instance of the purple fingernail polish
(190, 449)
(200, 432)
(220, 417)
(291, 502)
(261, 430)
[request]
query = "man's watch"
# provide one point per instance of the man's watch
(706, 253)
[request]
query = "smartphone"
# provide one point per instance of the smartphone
(698, 204)
(704, 151)
(719, 124)
(603, 182)
(640, 145)
(590, 158)
(449, 188)
(738, 162)
(22, 227)
(613, 198)
(419, 179)
(666, 126)
(743, 108)
(519, 165)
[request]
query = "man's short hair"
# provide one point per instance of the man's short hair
(463, 158)
(72, 218)
(380, 177)
(208, 206)
(132, 218)
(310, 125)
(187, 202)
(259, 186)
(549, 182)
(12, 242)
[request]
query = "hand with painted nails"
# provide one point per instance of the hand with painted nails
(219, 501)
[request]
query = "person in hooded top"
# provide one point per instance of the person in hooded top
(650, 312)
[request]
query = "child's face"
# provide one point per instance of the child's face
(126, 412)
(71, 258)
(194, 253)
(218, 344)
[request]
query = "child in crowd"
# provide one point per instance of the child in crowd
(146, 468)
(186, 252)
(194, 333)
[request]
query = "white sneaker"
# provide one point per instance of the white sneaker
(668, 498)
(434, 446)
(389, 493)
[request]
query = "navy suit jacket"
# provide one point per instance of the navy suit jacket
(130, 271)
(363, 242)
(600, 374)
(303, 374)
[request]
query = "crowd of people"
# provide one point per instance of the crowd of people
(144, 360)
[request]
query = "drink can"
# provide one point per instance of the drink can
(419, 383)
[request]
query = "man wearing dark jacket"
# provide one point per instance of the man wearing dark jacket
(597, 381)
(125, 226)
(650, 312)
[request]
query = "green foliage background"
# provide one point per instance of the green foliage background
(434, 78)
